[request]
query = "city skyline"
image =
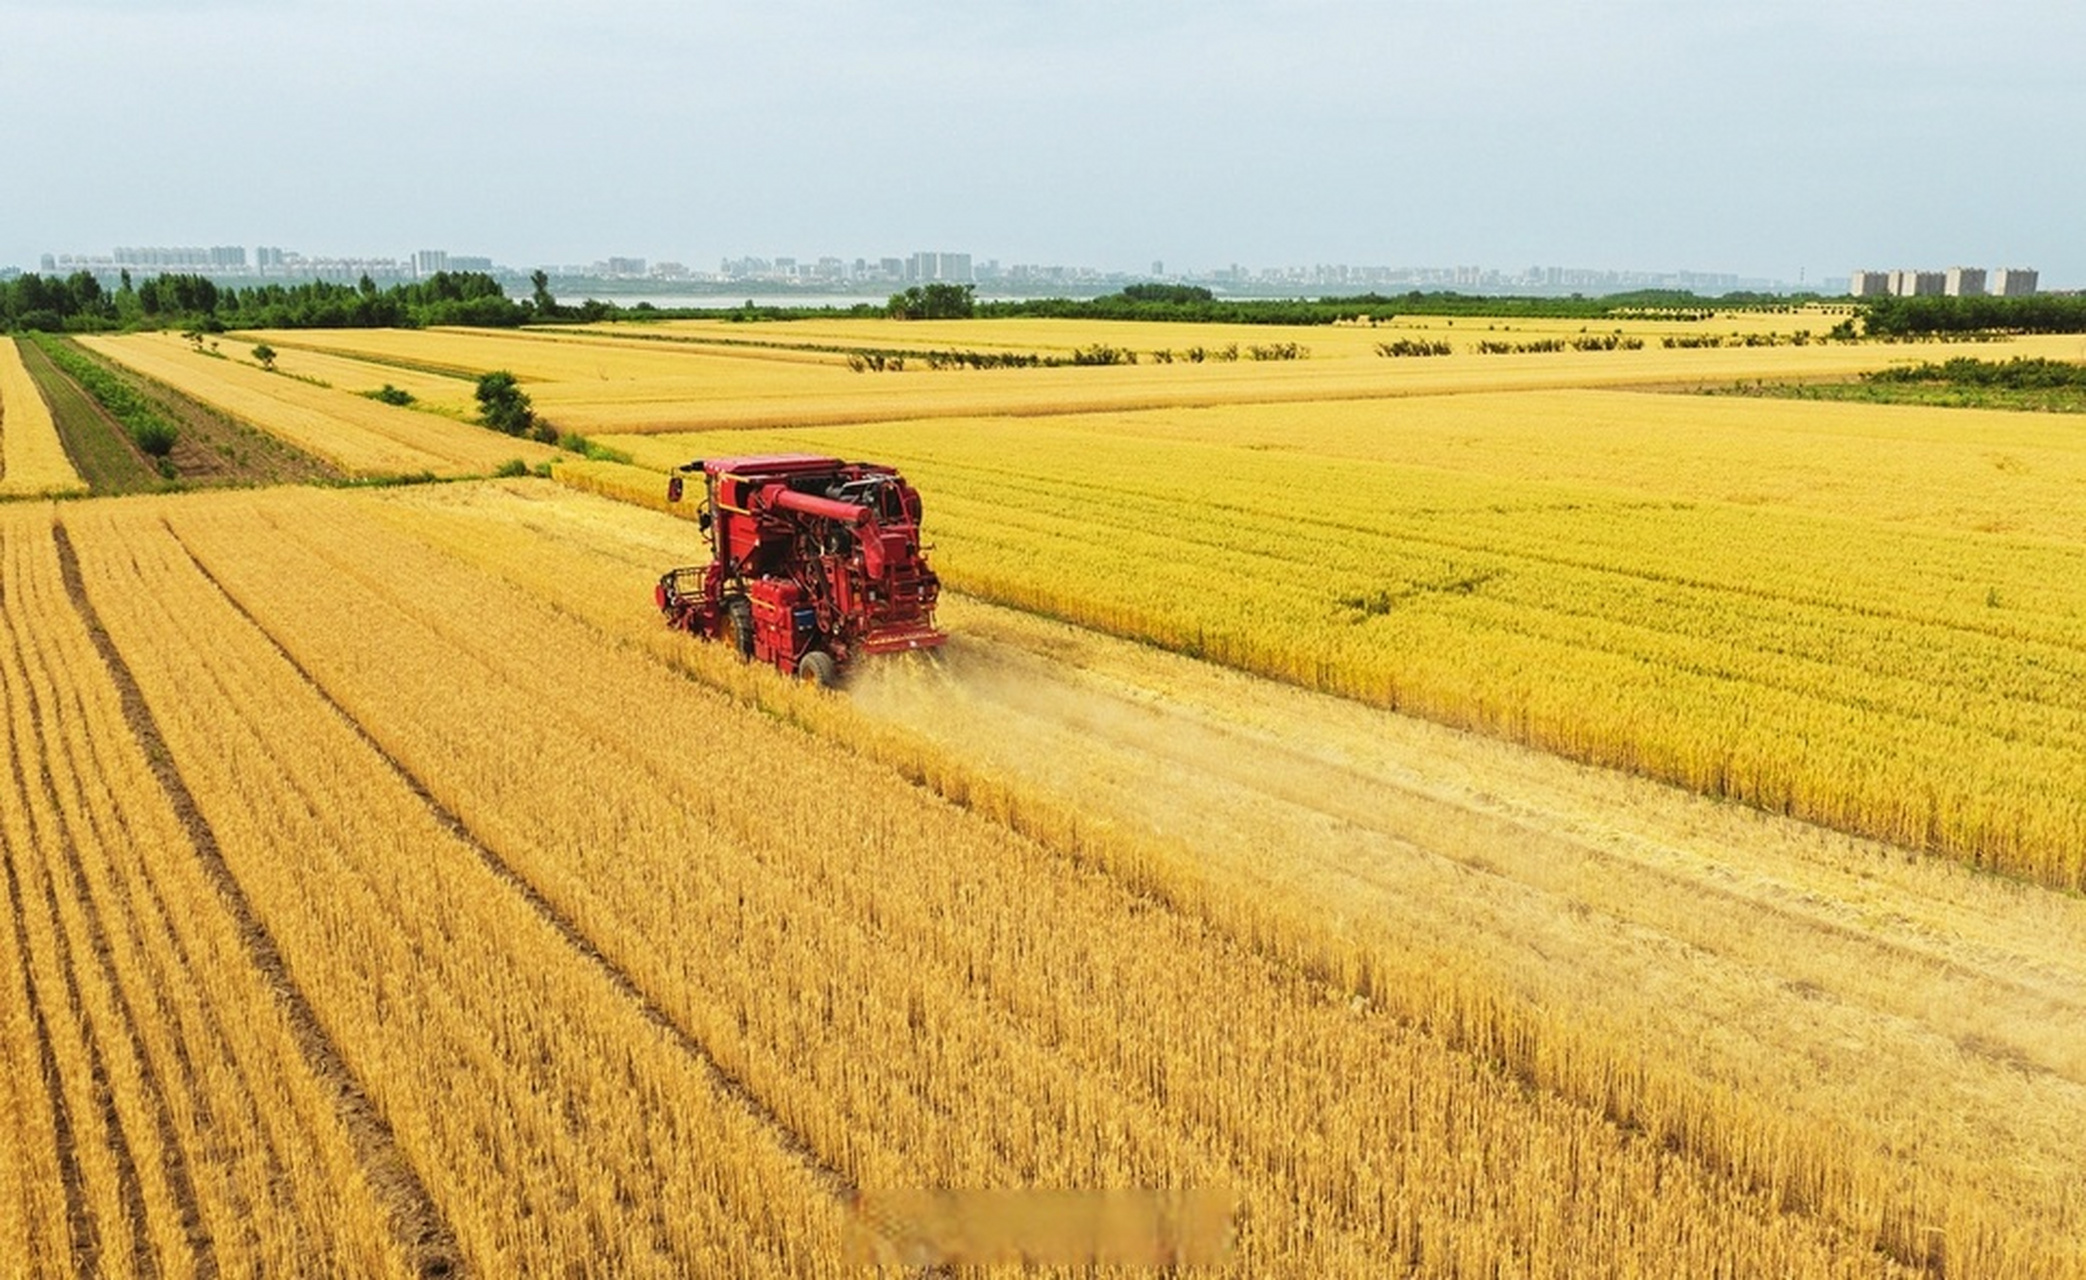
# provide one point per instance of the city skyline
(1772, 141)
(860, 272)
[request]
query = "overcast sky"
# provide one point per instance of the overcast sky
(1757, 138)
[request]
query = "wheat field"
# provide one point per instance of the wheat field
(1815, 609)
(360, 436)
(32, 458)
(1470, 815)
(757, 1011)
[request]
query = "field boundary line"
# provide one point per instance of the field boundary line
(417, 1223)
(835, 1179)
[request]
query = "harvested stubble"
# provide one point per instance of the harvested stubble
(196, 1132)
(912, 991)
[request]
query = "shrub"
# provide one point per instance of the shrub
(503, 405)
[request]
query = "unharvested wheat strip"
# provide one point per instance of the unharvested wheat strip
(274, 1176)
(1740, 656)
(915, 929)
(435, 1061)
(32, 458)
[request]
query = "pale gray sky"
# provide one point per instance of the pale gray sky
(1752, 137)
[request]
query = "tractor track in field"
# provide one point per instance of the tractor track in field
(835, 1179)
(417, 1223)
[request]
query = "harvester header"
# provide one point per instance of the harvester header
(814, 563)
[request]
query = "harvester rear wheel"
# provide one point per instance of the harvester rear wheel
(738, 613)
(818, 667)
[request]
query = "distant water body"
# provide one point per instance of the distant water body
(730, 301)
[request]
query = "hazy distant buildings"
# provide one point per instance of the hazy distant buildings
(1956, 282)
(428, 261)
(951, 268)
(1869, 284)
(2013, 282)
(1918, 284)
(1964, 282)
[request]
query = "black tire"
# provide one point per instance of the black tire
(738, 616)
(818, 667)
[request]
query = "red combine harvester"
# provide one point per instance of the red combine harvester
(814, 562)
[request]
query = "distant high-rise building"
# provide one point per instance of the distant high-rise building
(268, 258)
(428, 261)
(1869, 284)
(1964, 282)
(952, 268)
(2013, 282)
(626, 266)
(1918, 284)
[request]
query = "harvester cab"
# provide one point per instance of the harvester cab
(814, 563)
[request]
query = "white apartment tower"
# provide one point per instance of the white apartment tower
(2013, 282)
(1965, 282)
(1869, 284)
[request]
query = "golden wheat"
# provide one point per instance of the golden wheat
(358, 435)
(1724, 594)
(32, 458)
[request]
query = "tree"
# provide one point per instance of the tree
(264, 356)
(938, 301)
(539, 293)
(503, 405)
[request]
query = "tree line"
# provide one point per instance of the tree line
(2039, 313)
(79, 303)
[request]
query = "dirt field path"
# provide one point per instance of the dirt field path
(1936, 1016)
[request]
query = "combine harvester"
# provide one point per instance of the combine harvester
(814, 563)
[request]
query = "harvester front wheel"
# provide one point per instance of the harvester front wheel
(818, 667)
(738, 612)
